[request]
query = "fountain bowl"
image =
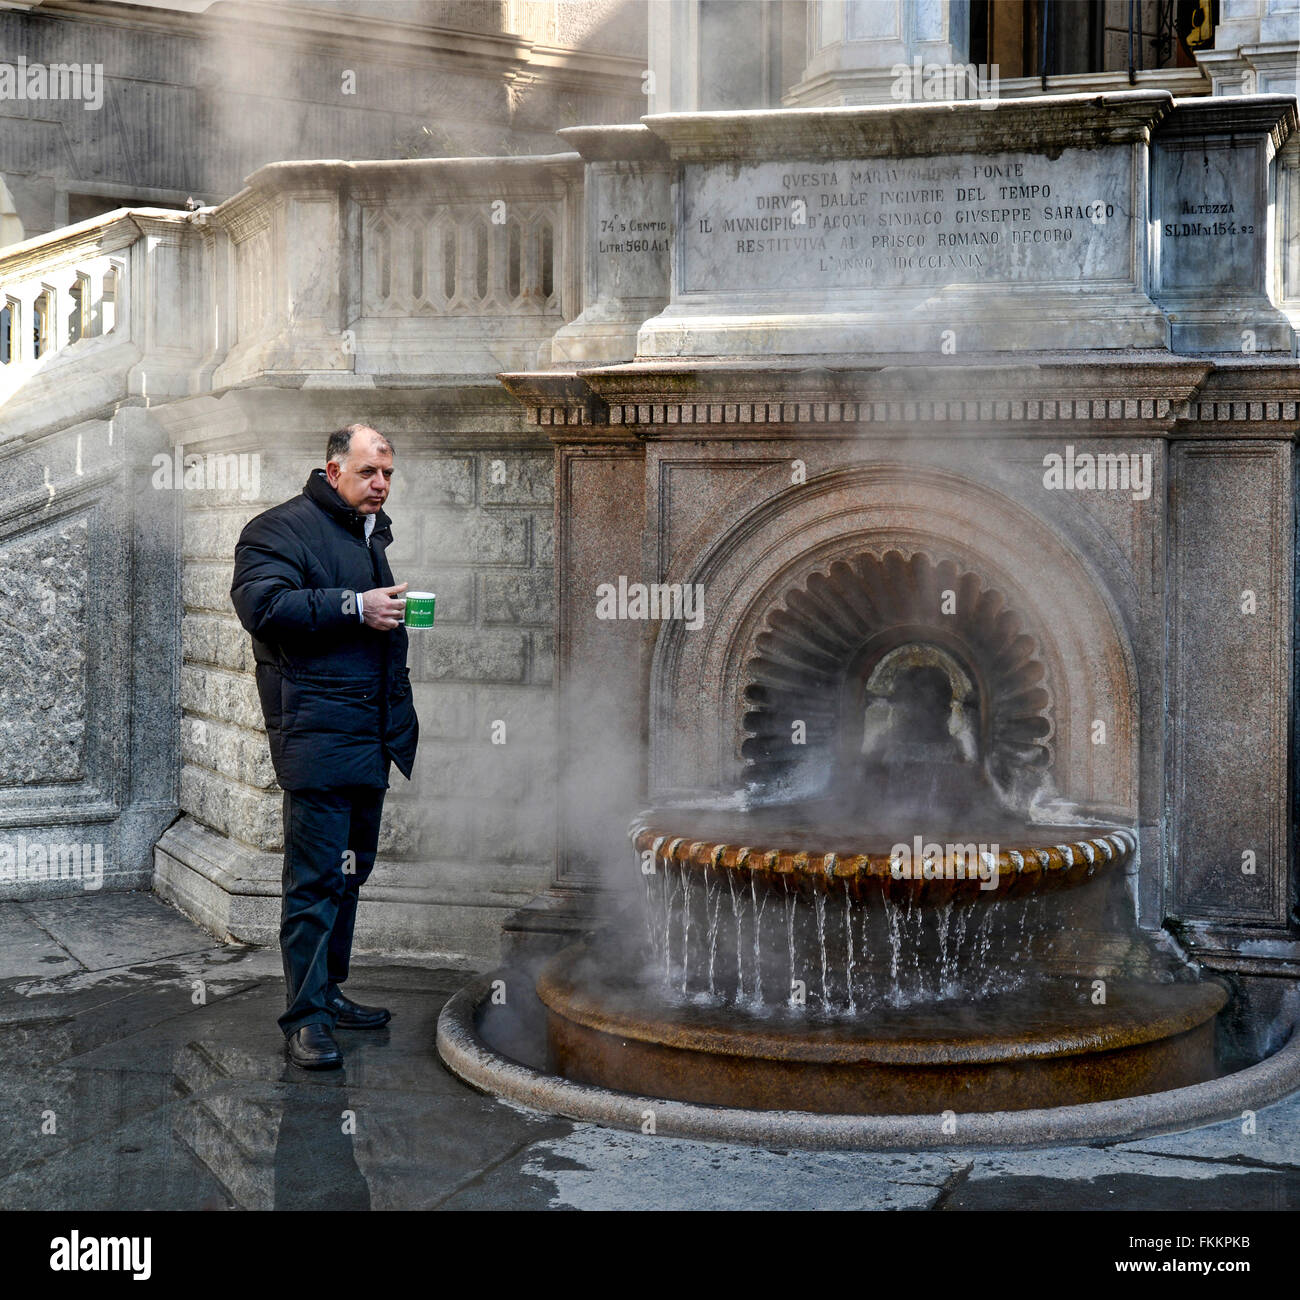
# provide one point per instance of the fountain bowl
(1046, 1044)
(794, 848)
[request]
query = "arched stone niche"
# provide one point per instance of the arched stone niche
(698, 677)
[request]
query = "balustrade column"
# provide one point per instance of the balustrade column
(61, 284)
(94, 300)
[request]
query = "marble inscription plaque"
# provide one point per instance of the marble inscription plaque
(1208, 213)
(632, 234)
(909, 222)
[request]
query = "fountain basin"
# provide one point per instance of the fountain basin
(1047, 1044)
(801, 848)
(500, 1050)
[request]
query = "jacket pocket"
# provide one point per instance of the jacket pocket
(337, 706)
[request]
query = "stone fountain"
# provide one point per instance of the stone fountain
(915, 837)
(887, 943)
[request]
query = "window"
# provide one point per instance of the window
(1048, 38)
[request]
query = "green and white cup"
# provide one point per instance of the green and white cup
(419, 608)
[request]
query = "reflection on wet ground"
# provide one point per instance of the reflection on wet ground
(142, 1069)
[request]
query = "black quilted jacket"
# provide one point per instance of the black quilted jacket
(336, 695)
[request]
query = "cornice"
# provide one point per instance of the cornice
(461, 413)
(912, 130)
(430, 176)
(1194, 119)
(1173, 397)
(624, 142)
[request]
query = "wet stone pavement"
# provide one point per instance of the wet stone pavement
(142, 1068)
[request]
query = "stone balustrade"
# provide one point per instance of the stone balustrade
(103, 311)
(430, 266)
(349, 274)
(63, 305)
(320, 269)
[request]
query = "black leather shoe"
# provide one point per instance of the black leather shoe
(313, 1048)
(352, 1015)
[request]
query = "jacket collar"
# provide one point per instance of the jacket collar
(318, 489)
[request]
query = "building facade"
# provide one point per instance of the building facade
(599, 355)
(190, 98)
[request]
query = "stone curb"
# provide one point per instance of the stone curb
(473, 1061)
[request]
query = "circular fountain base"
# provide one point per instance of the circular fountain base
(1047, 1044)
(499, 1048)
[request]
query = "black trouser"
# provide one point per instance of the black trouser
(330, 838)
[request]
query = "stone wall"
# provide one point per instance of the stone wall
(88, 563)
(88, 642)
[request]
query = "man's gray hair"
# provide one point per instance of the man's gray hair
(340, 442)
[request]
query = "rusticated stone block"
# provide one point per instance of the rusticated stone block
(445, 712)
(503, 773)
(234, 752)
(234, 809)
(513, 834)
(431, 829)
(399, 831)
(442, 480)
(205, 584)
(543, 539)
(475, 537)
(453, 587)
(230, 697)
(529, 715)
(515, 479)
(217, 640)
(212, 534)
(279, 478)
(407, 545)
(469, 656)
(526, 597)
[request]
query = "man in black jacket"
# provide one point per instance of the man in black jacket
(313, 587)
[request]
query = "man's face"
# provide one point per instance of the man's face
(363, 477)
